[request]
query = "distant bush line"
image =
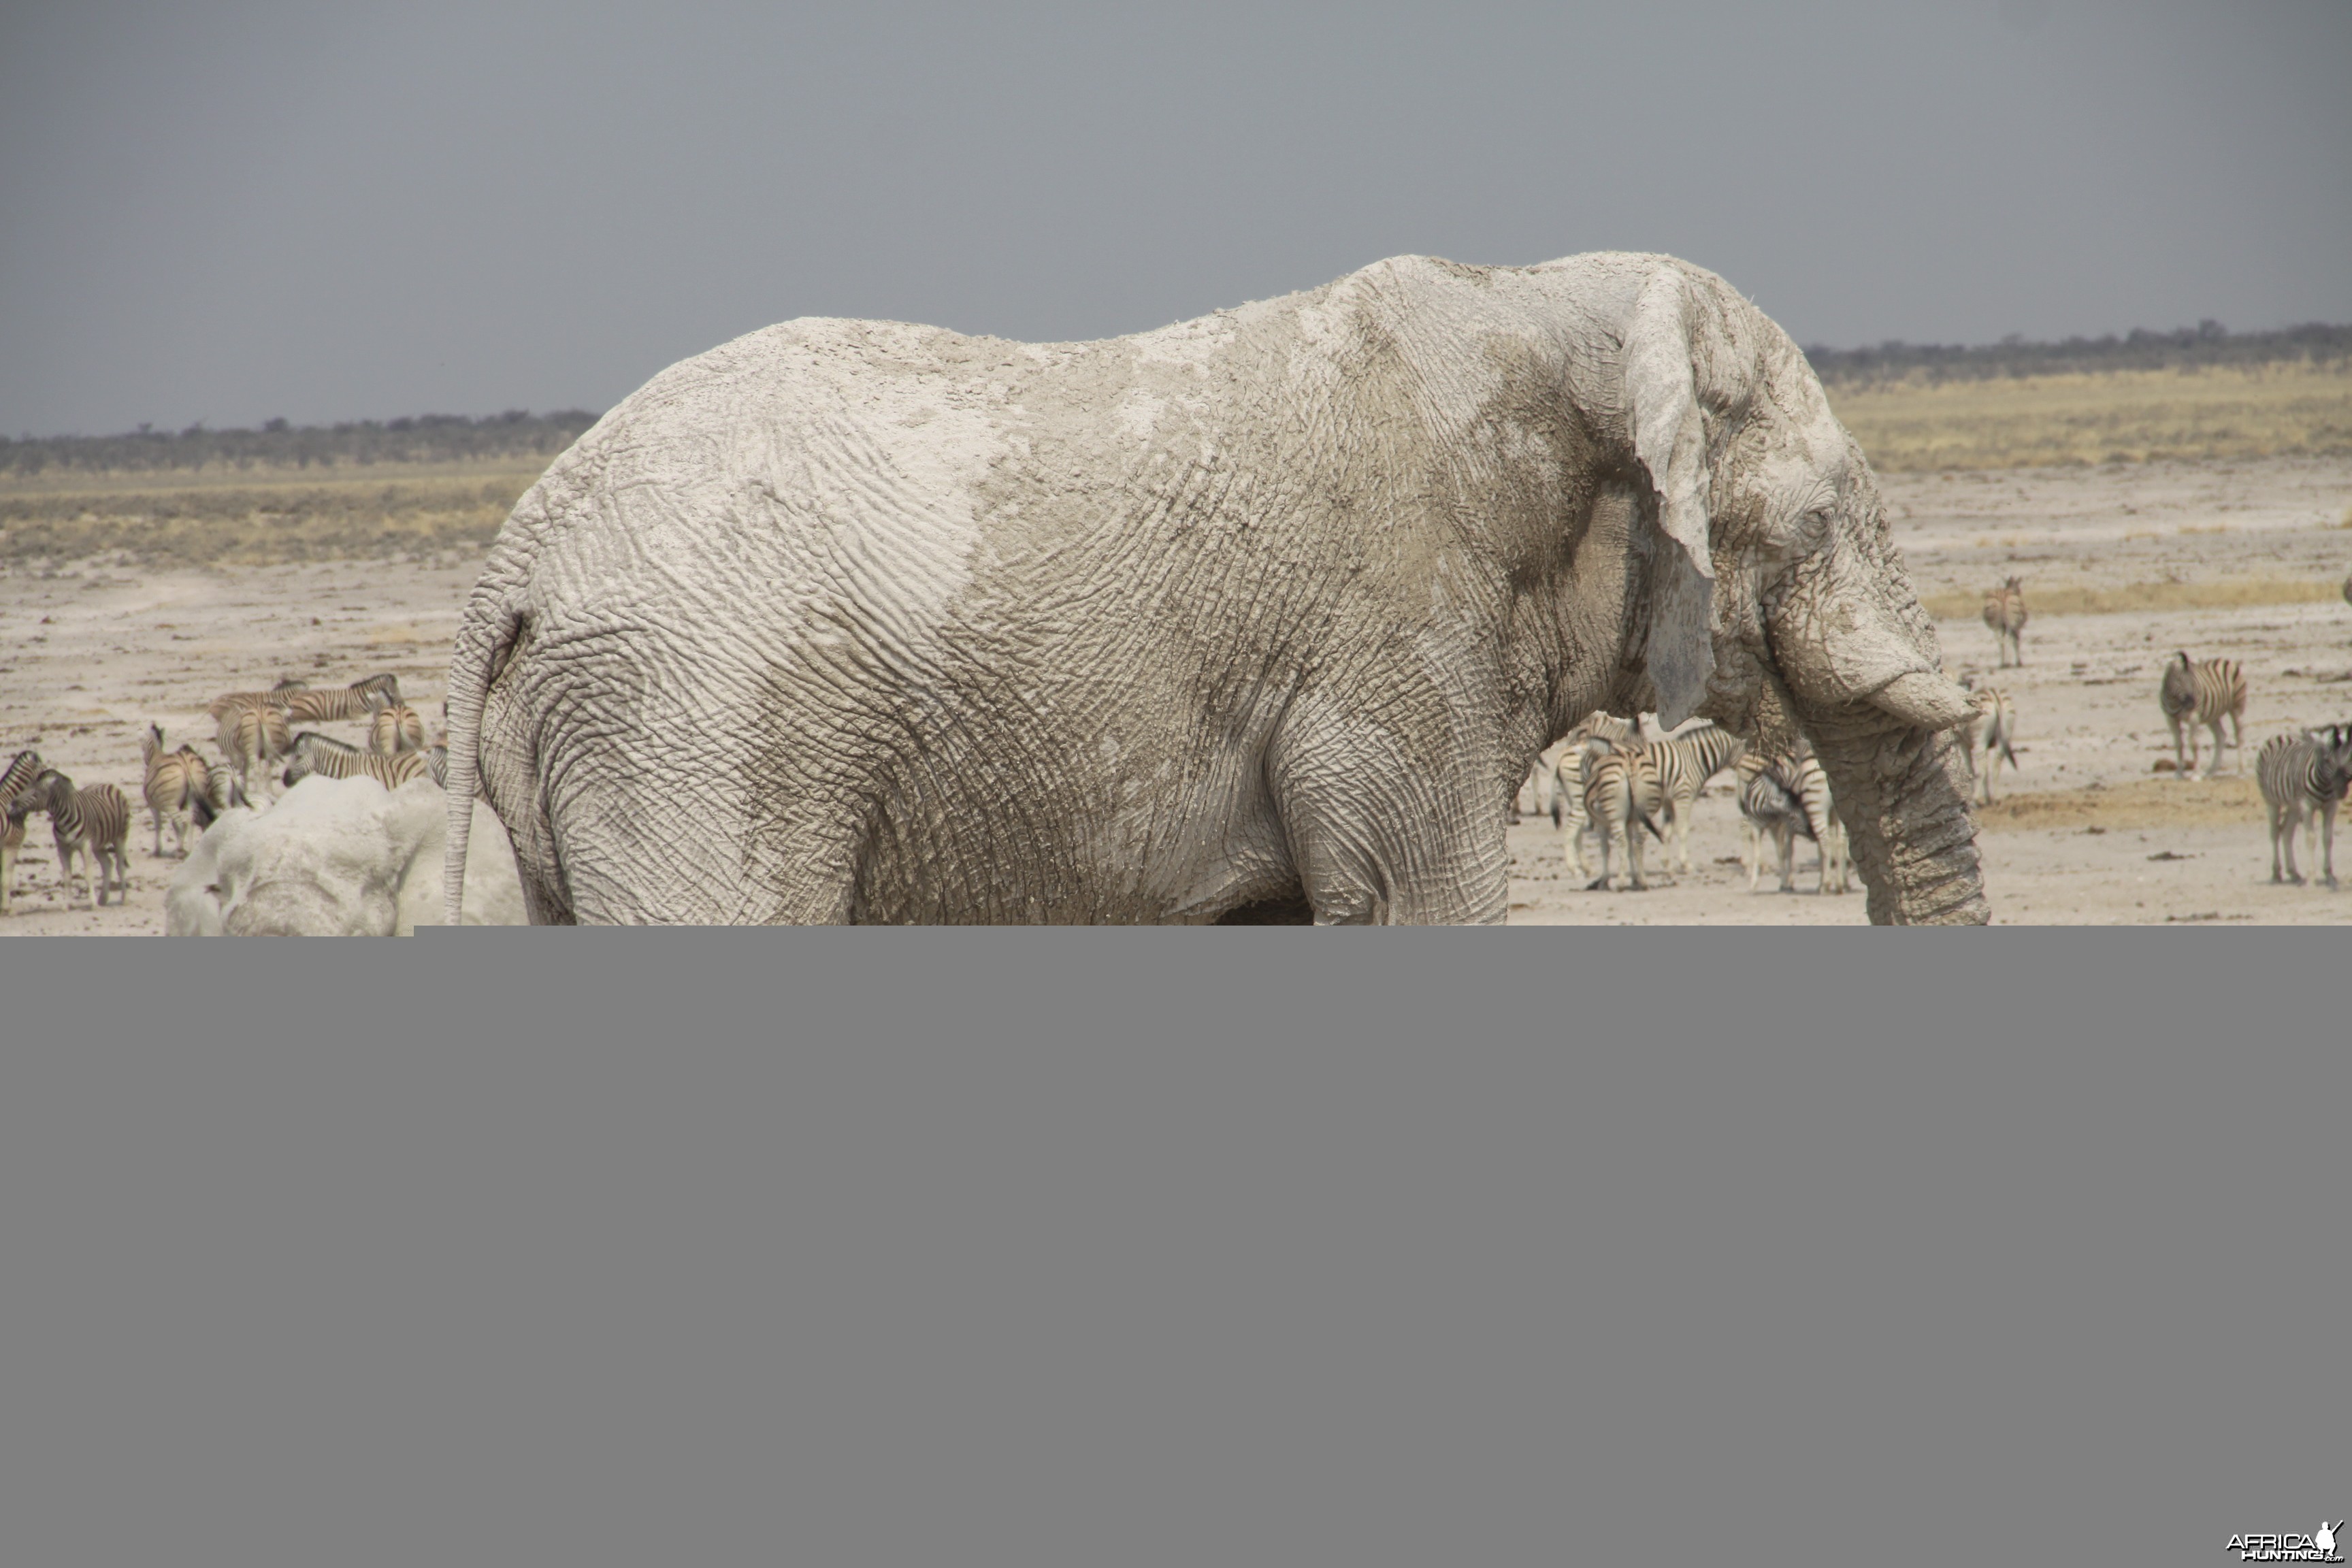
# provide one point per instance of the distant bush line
(2207, 344)
(426, 439)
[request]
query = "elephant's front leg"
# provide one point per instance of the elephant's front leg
(1378, 833)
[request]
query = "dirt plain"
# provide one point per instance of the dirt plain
(2123, 564)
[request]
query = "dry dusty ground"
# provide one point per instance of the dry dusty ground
(2245, 555)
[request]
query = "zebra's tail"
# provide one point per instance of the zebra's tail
(1643, 816)
(2006, 755)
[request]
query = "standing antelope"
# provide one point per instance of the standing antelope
(1988, 734)
(2004, 612)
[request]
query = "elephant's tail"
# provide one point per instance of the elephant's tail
(487, 631)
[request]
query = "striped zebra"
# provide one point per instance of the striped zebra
(19, 776)
(1988, 735)
(1567, 813)
(321, 705)
(13, 813)
(2004, 613)
(1622, 798)
(316, 753)
(15, 805)
(1783, 799)
(278, 696)
(2203, 693)
(92, 824)
(250, 733)
(222, 791)
(436, 758)
(393, 727)
(170, 786)
(1684, 762)
(2303, 778)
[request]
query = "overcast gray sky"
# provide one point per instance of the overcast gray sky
(229, 210)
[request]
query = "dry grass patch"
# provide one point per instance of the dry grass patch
(2160, 802)
(259, 517)
(2121, 416)
(2230, 594)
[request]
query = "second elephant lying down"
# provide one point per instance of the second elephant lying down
(338, 857)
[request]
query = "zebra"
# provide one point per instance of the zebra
(16, 803)
(2202, 694)
(1684, 762)
(437, 759)
(1782, 798)
(19, 776)
(2004, 612)
(316, 753)
(1567, 813)
(253, 732)
(169, 785)
(276, 695)
(324, 704)
(12, 839)
(1621, 795)
(393, 727)
(93, 823)
(1987, 735)
(222, 791)
(2302, 777)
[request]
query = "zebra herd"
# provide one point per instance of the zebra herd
(1606, 779)
(91, 824)
(2303, 777)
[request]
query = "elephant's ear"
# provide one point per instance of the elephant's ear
(1670, 439)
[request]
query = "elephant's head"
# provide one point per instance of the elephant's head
(1781, 596)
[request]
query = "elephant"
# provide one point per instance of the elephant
(1259, 617)
(335, 858)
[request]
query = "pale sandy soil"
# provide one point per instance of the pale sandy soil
(91, 652)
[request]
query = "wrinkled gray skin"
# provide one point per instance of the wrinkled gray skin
(854, 621)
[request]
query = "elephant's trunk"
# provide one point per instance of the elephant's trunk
(1902, 792)
(1860, 661)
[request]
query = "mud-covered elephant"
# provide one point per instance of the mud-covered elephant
(1260, 615)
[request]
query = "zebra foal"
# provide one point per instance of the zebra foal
(90, 823)
(2203, 693)
(2004, 614)
(316, 753)
(2303, 778)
